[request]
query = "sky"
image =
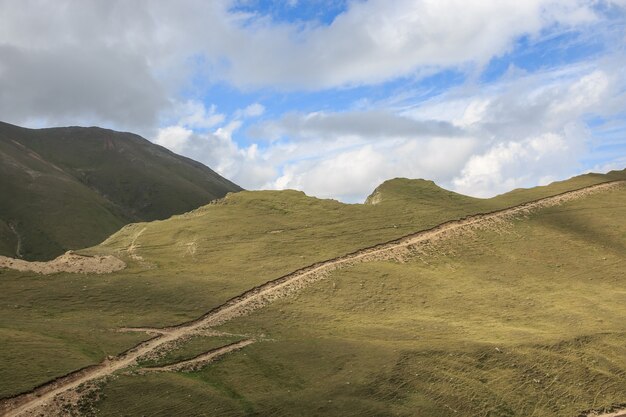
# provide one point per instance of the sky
(333, 97)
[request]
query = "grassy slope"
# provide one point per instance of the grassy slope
(47, 207)
(72, 187)
(526, 320)
(422, 194)
(203, 258)
(8, 240)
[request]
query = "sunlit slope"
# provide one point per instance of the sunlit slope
(525, 318)
(182, 267)
(256, 224)
(67, 188)
(178, 269)
(423, 193)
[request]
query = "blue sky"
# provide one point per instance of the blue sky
(334, 97)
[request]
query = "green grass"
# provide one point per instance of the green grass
(198, 260)
(515, 322)
(199, 399)
(8, 240)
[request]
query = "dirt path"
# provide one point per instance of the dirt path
(618, 413)
(18, 246)
(262, 295)
(202, 359)
(133, 248)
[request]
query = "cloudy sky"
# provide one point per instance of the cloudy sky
(333, 97)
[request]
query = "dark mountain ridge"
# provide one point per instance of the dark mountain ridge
(71, 187)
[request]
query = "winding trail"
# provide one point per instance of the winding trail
(18, 246)
(262, 295)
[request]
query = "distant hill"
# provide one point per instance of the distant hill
(417, 191)
(425, 194)
(71, 187)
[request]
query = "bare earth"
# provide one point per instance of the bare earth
(44, 398)
(202, 359)
(619, 413)
(68, 262)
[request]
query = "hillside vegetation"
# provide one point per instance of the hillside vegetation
(69, 188)
(468, 327)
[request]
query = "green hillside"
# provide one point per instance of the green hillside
(420, 194)
(519, 320)
(67, 188)
(417, 337)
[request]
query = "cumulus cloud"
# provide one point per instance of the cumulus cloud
(120, 63)
(377, 40)
(532, 127)
(193, 114)
(515, 164)
(253, 110)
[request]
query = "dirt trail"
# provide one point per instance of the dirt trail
(202, 359)
(617, 413)
(18, 246)
(262, 295)
(133, 248)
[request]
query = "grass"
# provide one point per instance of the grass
(196, 261)
(514, 322)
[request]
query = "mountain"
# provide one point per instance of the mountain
(513, 313)
(71, 187)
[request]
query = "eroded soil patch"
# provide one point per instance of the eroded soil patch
(68, 262)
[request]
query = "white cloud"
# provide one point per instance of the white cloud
(93, 85)
(253, 110)
(377, 40)
(124, 63)
(510, 165)
(532, 126)
(193, 114)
